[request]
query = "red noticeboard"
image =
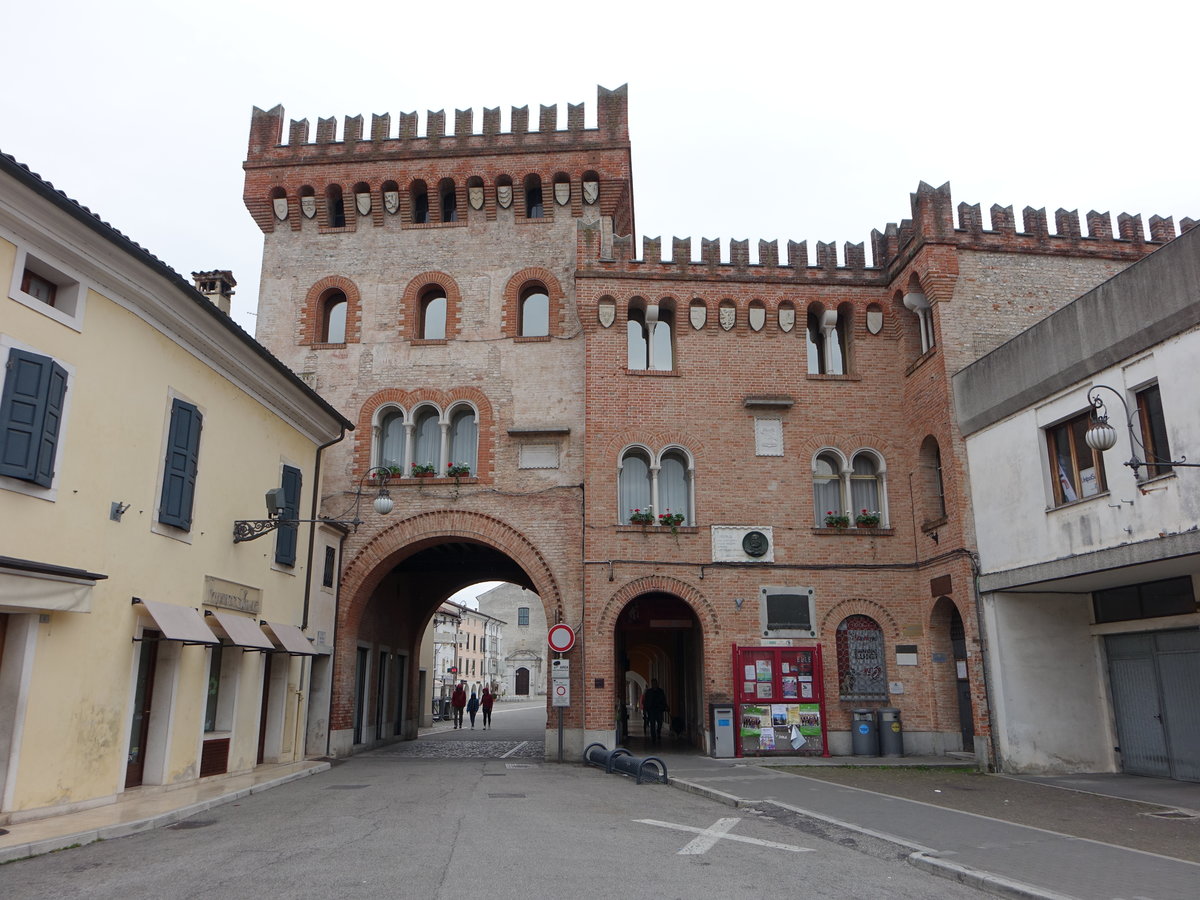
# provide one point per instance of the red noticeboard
(780, 701)
(561, 637)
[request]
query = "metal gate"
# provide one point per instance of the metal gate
(1155, 679)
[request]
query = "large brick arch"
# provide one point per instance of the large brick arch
(391, 545)
(659, 584)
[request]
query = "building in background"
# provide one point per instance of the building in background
(1090, 565)
(522, 658)
(139, 644)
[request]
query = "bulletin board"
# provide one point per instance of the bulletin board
(780, 701)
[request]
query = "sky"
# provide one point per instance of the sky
(773, 121)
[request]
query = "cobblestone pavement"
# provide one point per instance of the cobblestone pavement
(469, 749)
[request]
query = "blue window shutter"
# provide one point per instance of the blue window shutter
(31, 416)
(285, 535)
(179, 470)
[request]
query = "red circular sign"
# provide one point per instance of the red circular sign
(561, 638)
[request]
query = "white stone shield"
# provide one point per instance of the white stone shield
(308, 206)
(787, 318)
(362, 203)
(727, 316)
(698, 315)
(281, 210)
(475, 197)
(562, 193)
(391, 201)
(758, 317)
(607, 312)
(874, 320)
(504, 195)
(591, 192)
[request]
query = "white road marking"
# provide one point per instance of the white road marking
(719, 831)
(514, 750)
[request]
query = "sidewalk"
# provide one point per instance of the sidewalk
(141, 809)
(1000, 855)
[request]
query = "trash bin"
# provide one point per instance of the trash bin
(864, 736)
(721, 717)
(891, 736)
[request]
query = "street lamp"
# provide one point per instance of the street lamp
(251, 529)
(1101, 436)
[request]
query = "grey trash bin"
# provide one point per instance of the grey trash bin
(864, 736)
(891, 736)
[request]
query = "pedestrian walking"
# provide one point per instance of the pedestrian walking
(655, 701)
(472, 708)
(458, 700)
(485, 703)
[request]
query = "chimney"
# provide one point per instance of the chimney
(217, 286)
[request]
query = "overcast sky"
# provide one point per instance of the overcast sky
(754, 120)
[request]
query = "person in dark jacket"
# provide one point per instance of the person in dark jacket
(472, 708)
(485, 703)
(655, 703)
(458, 700)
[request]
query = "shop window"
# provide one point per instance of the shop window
(433, 314)
(1076, 470)
(860, 659)
(1154, 431)
(1149, 600)
(31, 410)
(223, 665)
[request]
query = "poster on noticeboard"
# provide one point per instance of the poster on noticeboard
(780, 701)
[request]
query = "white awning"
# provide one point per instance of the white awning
(27, 586)
(291, 639)
(241, 631)
(178, 623)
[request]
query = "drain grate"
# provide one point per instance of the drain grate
(520, 765)
(346, 787)
(506, 796)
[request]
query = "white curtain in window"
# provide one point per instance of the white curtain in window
(672, 486)
(635, 484)
(464, 441)
(391, 440)
(827, 488)
(428, 439)
(864, 485)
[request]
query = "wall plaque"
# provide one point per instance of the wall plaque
(768, 437)
(230, 595)
(538, 456)
(727, 543)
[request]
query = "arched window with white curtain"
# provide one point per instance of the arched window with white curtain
(390, 450)
(827, 486)
(634, 484)
(673, 488)
(868, 489)
(464, 438)
(427, 440)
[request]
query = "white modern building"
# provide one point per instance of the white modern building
(1090, 558)
(521, 666)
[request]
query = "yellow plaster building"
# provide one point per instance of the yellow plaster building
(140, 646)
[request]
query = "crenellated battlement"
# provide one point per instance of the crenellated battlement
(267, 144)
(932, 222)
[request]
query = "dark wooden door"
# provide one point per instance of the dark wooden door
(522, 682)
(266, 699)
(139, 731)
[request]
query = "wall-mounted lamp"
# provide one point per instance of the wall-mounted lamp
(116, 510)
(933, 536)
(250, 529)
(1102, 436)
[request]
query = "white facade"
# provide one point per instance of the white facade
(1068, 693)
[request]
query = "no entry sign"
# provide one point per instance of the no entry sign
(561, 638)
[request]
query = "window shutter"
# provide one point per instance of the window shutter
(285, 535)
(179, 471)
(31, 416)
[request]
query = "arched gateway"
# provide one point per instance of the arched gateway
(391, 586)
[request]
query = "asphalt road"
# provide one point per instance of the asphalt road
(396, 825)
